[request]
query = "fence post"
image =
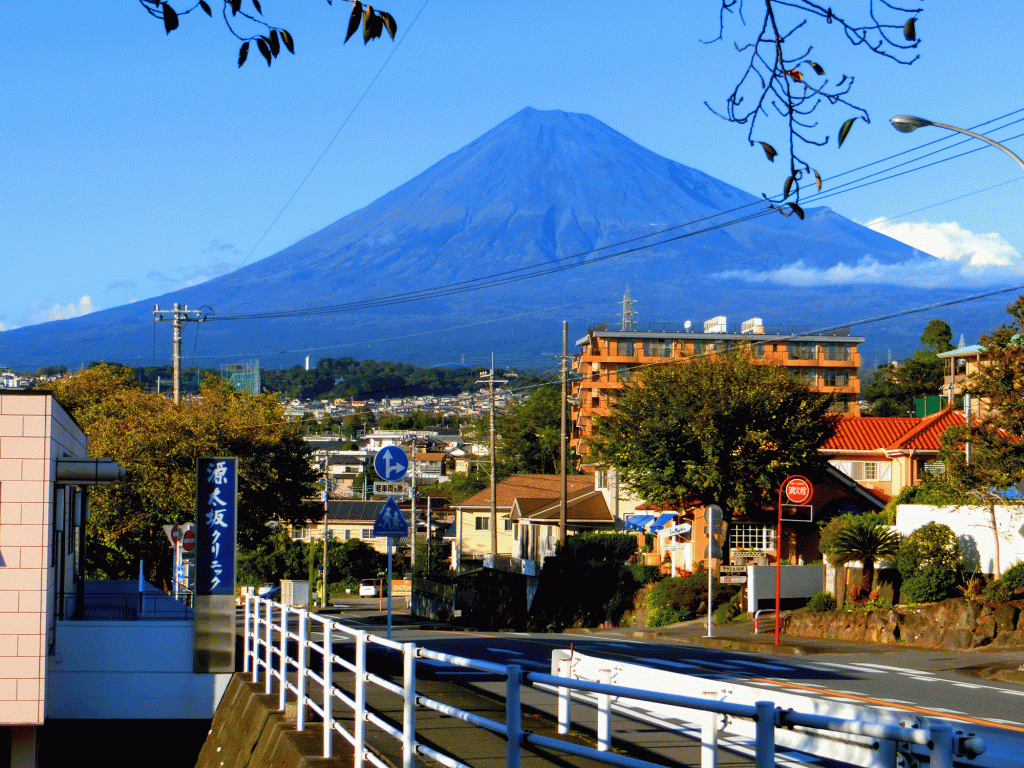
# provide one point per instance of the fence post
(300, 714)
(328, 673)
(764, 735)
(282, 660)
(941, 746)
(604, 712)
(409, 705)
(513, 716)
(268, 648)
(245, 635)
(564, 700)
(359, 719)
(709, 740)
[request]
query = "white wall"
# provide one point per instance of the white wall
(128, 670)
(803, 581)
(974, 529)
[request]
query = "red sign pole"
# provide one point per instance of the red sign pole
(800, 493)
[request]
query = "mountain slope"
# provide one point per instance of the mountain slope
(541, 191)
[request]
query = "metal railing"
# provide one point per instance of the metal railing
(265, 653)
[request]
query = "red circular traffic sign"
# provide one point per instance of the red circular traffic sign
(176, 533)
(798, 489)
(188, 541)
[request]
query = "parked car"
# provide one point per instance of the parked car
(370, 588)
(265, 588)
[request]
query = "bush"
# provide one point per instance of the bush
(1013, 578)
(931, 543)
(690, 593)
(599, 547)
(826, 542)
(645, 574)
(822, 603)
(936, 581)
(668, 615)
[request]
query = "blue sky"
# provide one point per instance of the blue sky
(137, 162)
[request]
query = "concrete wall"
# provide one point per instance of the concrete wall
(34, 432)
(128, 670)
(975, 531)
(798, 582)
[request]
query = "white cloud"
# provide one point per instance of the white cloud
(945, 255)
(951, 242)
(39, 312)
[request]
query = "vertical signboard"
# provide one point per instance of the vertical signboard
(216, 525)
(215, 536)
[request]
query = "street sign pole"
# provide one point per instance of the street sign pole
(798, 490)
(713, 517)
(390, 542)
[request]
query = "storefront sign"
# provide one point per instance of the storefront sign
(216, 525)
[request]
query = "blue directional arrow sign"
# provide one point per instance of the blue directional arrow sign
(391, 463)
(390, 521)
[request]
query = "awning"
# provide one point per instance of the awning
(637, 522)
(661, 522)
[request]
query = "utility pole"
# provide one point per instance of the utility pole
(179, 316)
(563, 506)
(488, 378)
(323, 591)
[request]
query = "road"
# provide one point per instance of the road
(920, 682)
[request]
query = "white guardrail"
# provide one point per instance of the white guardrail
(866, 743)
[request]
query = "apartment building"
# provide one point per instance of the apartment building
(608, 359)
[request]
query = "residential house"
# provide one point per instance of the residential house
(608, 359)
(473, 516)
(886, 454)
(347, 519)
(959, 366)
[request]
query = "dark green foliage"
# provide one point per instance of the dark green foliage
(822, 602)
(666, 615)
(936, 491)
(689, 593)
(827, 538)
(530, 431)
(600, 547)
(893, 389)
(645, 574)
(352, 560)
(935, 581)
(1006, 587)
(1014, 577)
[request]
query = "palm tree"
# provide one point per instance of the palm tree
(867, 542)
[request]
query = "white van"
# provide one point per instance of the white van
(369, 588)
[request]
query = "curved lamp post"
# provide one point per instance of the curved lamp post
(908, 123)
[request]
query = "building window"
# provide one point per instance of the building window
(837, 351)
(800, 350)
(834, 378)
(700, 347)
(346, 534)
(759, 350)
(931, 469)
(624, 373)
(625, 348)
(367, 533)
(657, 348)
(805, 376)
(600, 479)
(869, 470)
(508, 524)
(752, 536)
(483, 523)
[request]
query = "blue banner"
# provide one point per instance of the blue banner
(216, 525)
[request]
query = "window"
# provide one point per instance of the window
(508, 524)
(805, 376)
(759, 350)
(658, 348)
(752, 536)
(834, 378)
(624, 373)
(700, 347)
(625, 348)
(346, 534)
(931, 469)
(800, 350)
(836, 351)
(483, 523)
(367, 533)
(601, 479)
(870, 470)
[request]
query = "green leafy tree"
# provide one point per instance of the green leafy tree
(893, 388)
(996, 447)
(158, 444)
(866, 541)
(720, 429)
(530, 431)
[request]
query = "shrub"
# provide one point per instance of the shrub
(822, 603)
(931, 543)
(600, 547)
(826, 542)
(669, 615)
(690, 593)
(1013, 578)
(936, 581)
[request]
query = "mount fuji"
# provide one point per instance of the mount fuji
(546, 217)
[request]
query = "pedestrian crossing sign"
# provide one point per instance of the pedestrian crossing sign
(390, 521)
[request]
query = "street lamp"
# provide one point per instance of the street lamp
(908, 123)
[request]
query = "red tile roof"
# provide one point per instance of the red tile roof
(529, 487)
(891, 433)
